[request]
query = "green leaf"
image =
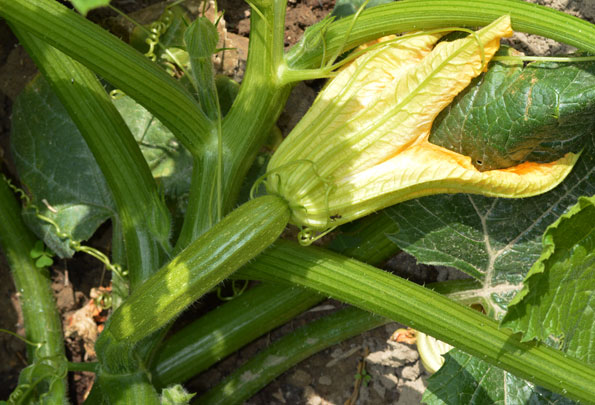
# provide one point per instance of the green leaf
(170, 162)
(36, 383)
(513, 114)
(478, 382)
(557, 297)
(43, 261)
(84, 6)
(201, 41)
(172, 23)
(38, 250)
(494, 240)
(56, 166)
(201, 38)
(173, 37)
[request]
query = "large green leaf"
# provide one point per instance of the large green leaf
(478, 382)
(493, 240)
(513, 114)
(557, 300)
(170, 162)
(56, 166)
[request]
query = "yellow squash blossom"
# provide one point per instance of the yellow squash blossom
(364, 146)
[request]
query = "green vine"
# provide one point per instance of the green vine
(42, 370)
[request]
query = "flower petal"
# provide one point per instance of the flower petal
(364, 144)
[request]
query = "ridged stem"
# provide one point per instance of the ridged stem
(384, 294)
(227, 328)
(42, 321)
(288, 351)
(412, 15)
(292, 348)
(246, 126)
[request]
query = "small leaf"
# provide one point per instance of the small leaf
(173, 37)
(176, 395)
(43, 261)
(38, 250)
(201, 38)
(84, 6)
(35, 382)
(201, 41)
(557, 298)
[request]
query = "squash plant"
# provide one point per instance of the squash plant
(367, 143)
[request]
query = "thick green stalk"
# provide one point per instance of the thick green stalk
(288, 351)
(239, 237)
(142, 213)
(244, 129)
(384, 294)
(42, 321)
(411, 15)
(297, 346)
(260, 100)
(227, 328)
(114, 60)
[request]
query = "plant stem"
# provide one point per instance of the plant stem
(42, 321)
(244, 129)
(412, 15)
(381, 293)
(132, 388)
(292, 348)
(201, 208)
(260, 100)
(227, 328)
(288, 351)
(142, 213)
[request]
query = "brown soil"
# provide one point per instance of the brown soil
(326, 378)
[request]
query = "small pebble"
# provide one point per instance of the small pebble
(325, 380)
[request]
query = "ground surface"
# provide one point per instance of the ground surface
(326, 378)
